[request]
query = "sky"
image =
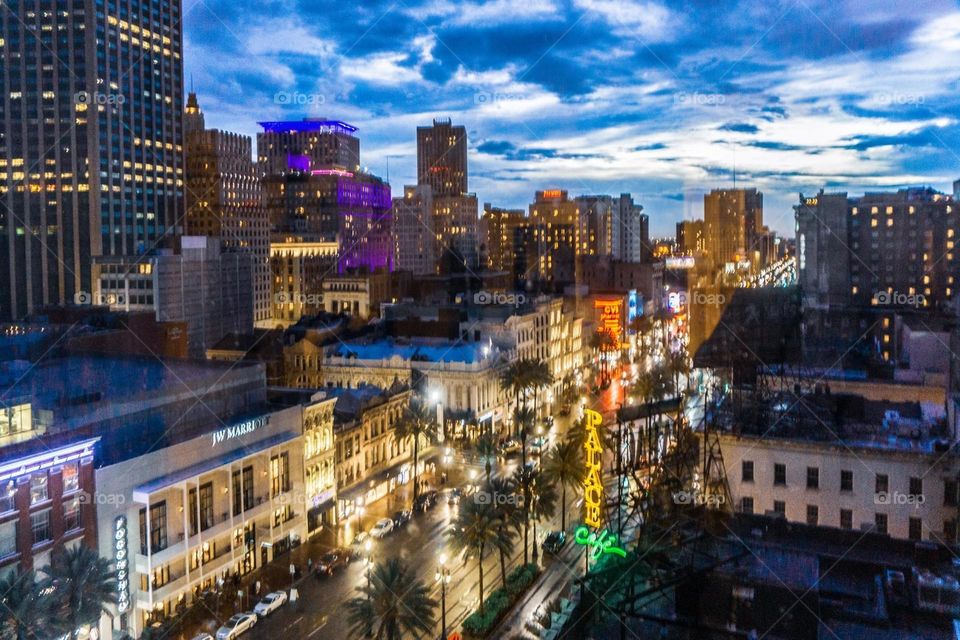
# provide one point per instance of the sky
(662, 99)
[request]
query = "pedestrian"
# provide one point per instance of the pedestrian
(309, 564)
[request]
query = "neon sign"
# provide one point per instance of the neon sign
(121, 561)
(599, 544)
(237, 430)
(552, 194)
(592, 483)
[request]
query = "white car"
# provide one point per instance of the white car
(238, 624)
(270, 603)
(382, 528)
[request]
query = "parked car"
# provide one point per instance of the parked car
(455, 495)
(426, 500)
(383, 527)
(554, 541)
(400, 518)
(510, 446)
(238, 624)
(356, 548)
(202, 636)
(270, 603)
(331, 562)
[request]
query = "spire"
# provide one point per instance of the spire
(192, 115)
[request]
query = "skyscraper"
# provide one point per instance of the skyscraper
(442, 165)
(223, 198)
(413, 230)
(309, 142)
(442, 158)
(732, 220)
(90, 142)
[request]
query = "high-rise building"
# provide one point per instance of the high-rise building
(856, 251)
(442, 158)
(500, 233)
(311, 195)
(634, 231)
(197, 284)
(690, 238)
(223, 198)
(413, 230)
(732, 219)
(554, 240)
(442, 165)
(306, 143)
(90, 142)
(613, 227)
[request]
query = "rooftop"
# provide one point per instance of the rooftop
(308, 125)
(424, 350)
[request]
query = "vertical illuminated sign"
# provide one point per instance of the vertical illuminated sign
(121, 561)
(592, 482)
(609, 315)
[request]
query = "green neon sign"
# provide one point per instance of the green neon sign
(599, 544)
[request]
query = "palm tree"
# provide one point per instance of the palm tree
(487, 449)
(523, 479)
(679, 365)
(603, 342)
(416, 422)
(544, 503)
(564, 467)
(514, 380)
(509, 517)
(395, 604)
(523, 418)
(84, 585)
(476, 529)
(538, 377)
(24, 613)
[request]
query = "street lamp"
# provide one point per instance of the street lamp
(360, 511)
(443, 577)
(368, 561)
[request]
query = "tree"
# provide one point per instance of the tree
(509, 517)
(538, 377)
(475, 530)
(523, 480)
(523, 418)
(544, 503)
(603, 342)
(679, 365)
(83, 587)
(514, 380)
(564, 467)
(416, 422)
(24, 613)
(396, 604)
(487, 449)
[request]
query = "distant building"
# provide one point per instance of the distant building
(92, 143)
(413, 231)
(306, 143)
(198, 284)
(442, 165)
(223, 198)
(299, 264)
(357, 293)
(690, 238)
(732, 219)
(442, 158)
(555, 238)
(499, 236)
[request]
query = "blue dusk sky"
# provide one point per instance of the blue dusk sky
(658, 98)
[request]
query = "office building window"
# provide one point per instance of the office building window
(746, 505)
(8, 538)
(813, 477)
(846, 480)
(158, 526)
(206, 506)
(950, 531)
(279, 474)
(746, 474)
(882, 484)
(779, 474)
(846, 519)
(813, 514)
(949, 493)
(8, 495)
(40, 524)
(916, 529)
(71, 514)
(71, 477)
(880, 522)
(780, 508)
(38, 487)
(916, 487)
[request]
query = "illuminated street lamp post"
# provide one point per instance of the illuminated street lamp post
(443, 577)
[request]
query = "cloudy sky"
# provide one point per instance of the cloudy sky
(658, 98)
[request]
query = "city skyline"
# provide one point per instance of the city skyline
(608, 96)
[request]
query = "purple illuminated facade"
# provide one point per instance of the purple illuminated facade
(366, 222)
